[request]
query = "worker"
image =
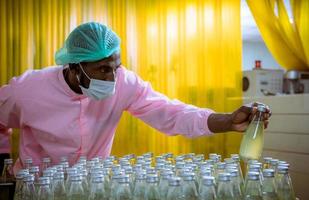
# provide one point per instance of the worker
(73, 109)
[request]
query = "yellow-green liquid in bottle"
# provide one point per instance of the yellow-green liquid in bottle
(253, 140)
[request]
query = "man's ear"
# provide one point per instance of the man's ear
(74, 68)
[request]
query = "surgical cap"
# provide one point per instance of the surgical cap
(88, 42)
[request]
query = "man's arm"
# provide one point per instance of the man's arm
(236, 121)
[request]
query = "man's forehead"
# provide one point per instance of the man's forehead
(112, 58)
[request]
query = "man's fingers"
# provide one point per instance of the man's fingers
(266, 124)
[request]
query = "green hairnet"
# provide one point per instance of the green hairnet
(88, 42)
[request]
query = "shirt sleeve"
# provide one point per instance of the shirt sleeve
(169, 116)
(9, 115)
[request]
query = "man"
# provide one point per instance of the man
(73, 109)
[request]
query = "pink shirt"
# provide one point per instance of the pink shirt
(55, 121)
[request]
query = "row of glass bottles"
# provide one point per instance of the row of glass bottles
(163, 177)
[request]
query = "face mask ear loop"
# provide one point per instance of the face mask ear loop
(80, 65)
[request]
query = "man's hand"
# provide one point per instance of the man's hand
(236, 121)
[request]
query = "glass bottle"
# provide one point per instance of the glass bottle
(58, 186)
(268, 186)
(163, 185)
(207, 189)
(35, 171)
(28, 163)
(236, 183)
(140, 186)
(236, 158)
(253, 140)
(7, 173)
(46, 163)
(76, 191)
(97, 188)
(152, 190)
(174, 191)
(45, 192)
(253, 190)
(28, 190)
(189, 187)
(123, 189)
(19, 184)
(225, 190)
(284, 184)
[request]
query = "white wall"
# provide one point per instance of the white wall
(252, 51)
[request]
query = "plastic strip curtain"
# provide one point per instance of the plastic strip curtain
(287, 37)
(189, 50)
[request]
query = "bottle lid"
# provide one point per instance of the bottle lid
(44, 181)
(268, 173)
(151, 170)
(174, 181)
(221, 165)
(267, 159)
(46, 160)
(180, 165)
(274, 162)
(208, 180)
(140, 175)
(224, 177)
(21, 174)
(8, 161)
(233, 172)
(253, 175)
(76, 177)
(124, 179)
(205, 172)
(28, 161)
(28, 178)
(152, 178)
(188, 176)
(34, 169)
(282, 169)
(59, 176)
(261, 108)
(99, 178)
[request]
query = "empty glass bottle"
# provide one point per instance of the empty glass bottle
(97, 188)
(253, 140)
(284, 184)
(28, 163)
(19, 184)
(7, 172)
(253, 190)
(225, 189)
(76, 191)
(163, 185)
(28, 190)
(140, 186)
(174, 191)
(58, 186)
(207, 189)
(189, 187)
(45, 192)
(152, 189)
(123, 190)
(268, 187)
(236, 183)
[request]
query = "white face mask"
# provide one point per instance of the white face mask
(97, 89)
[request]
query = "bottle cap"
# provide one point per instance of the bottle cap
(268, 173)
(152, 178)
(253, 175)
(174, 181)
(224, 177)
(208, 180)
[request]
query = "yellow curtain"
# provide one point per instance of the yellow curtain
(189, 50)
(287, 37)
